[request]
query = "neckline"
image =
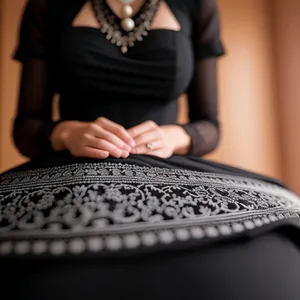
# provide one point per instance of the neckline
(153, 30)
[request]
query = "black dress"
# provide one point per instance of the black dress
(141, 227)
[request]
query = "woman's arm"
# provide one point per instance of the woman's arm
(35, 133)
(204, 129)
(201, 135)
(33, 123)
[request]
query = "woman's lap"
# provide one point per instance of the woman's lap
(266, 266)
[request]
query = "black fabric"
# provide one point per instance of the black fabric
(266, 267)
(34, 31)
(80, 64)
(204, 127)
(243, 258)
(34, 124)
(206, 30)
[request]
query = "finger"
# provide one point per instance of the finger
(147, 137)
(117, 129)
(102, 133)
(141, 128)
(93, 153)
(142, 149)
(125, 154)
(102, 144)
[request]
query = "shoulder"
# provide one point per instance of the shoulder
(38, 9)
(55, 13)
(65, 10)
(54, 6)
(186, 5)
(192, 7)
(40, 5)
(196, 5)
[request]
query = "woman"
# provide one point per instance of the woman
(116, 201)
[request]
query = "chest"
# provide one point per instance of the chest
(162, 62)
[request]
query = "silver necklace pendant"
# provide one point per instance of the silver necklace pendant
(127, 22)
(128, 31)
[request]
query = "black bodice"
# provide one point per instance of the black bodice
(98, 80)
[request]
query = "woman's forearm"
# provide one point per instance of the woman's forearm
(36, 138)
(31, 136)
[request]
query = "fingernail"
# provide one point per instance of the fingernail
(125, 154)
(127, 148)
(117, 152)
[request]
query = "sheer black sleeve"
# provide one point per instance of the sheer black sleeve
(202, 93)
(33, 123)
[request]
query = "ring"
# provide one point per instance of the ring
(149, 146)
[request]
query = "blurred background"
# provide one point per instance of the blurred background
(259, 87)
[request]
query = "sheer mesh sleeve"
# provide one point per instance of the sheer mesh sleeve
(202, 93)
(33, 123)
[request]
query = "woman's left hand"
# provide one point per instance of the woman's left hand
(155, 140)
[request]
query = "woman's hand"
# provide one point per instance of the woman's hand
(161, 141)
(98, 139)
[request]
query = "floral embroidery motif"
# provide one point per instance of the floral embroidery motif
(102, 206)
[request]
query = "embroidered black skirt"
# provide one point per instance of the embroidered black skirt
(147, 228)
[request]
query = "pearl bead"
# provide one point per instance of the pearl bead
(127, 24)
(126, 11)
(124, 49)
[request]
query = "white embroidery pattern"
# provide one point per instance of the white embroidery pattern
(98, 207)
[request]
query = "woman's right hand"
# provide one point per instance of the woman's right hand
(98, 139)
